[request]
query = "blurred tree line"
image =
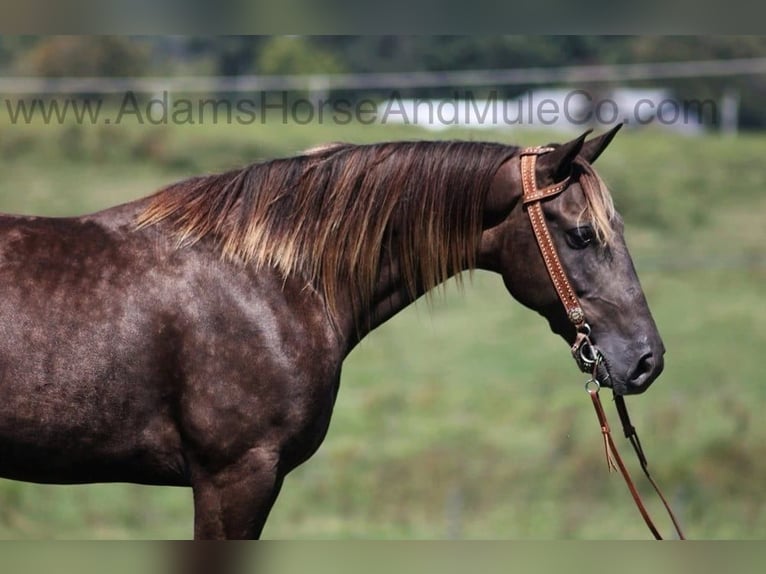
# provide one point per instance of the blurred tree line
(235, 55)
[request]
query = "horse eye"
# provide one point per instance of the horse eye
(580, 237)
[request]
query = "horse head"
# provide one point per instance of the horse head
(587, 235)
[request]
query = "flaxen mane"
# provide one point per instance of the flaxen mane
(330, 214)
(599, 210)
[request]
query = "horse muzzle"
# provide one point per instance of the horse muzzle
(591, 360)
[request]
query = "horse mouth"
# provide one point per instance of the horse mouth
(604, 375)
(605, 378)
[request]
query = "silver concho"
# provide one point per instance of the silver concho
(576, 315)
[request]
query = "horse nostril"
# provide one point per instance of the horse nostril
(644, 370)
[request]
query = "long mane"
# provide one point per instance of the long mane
(332, 213)
(329, 214)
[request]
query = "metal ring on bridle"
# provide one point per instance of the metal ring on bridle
(589, 355)
(592, 385)
(584, 329)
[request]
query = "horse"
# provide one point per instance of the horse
(195, 337)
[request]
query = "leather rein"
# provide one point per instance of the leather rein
(587, 356)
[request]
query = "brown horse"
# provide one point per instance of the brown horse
(196, 337)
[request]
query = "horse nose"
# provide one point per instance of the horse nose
(648, 368)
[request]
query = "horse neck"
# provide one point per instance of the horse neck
(390, 293)
(390, 297)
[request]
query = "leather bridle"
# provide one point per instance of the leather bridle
(587, 356)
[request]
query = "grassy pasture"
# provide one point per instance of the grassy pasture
(449, 423)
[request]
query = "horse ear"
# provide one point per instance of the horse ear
(593, 148)
(558, 163)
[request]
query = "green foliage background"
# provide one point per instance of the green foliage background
(237, 55)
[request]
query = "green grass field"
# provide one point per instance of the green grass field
(449, 423)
